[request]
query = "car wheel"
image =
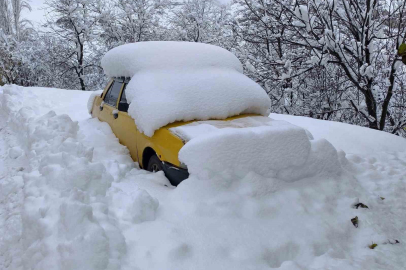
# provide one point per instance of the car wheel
(154, 164)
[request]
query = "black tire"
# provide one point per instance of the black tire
(154, 164)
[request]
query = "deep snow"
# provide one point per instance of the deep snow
(71, 198)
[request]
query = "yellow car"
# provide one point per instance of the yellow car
(156, 153)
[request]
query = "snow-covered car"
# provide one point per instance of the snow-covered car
(163, 94)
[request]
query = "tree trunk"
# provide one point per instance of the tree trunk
(371, 107)
(81, 70)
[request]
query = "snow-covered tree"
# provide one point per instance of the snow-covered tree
(74, 22)
(205, 21)
(10, 58)
(10, 17)
(362, 38)
(287, 40)
(13, 31)
(6, 17)
(127, 21)
(20, 25)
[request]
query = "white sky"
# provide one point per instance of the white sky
(37, 13)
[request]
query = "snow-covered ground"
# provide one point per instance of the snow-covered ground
(71, 198)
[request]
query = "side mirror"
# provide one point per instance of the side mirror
(123, 107)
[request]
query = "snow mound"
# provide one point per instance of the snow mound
(15, 152)
(143, 207)
(255, 144)
(182, 81)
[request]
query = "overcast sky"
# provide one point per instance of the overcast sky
(37, 13)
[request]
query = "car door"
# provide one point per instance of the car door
(124, 125)
(96, 109)
(110, 104)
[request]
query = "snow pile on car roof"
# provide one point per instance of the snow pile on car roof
(128, 59)
(182, 81)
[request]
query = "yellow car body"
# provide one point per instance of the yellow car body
(163, 143)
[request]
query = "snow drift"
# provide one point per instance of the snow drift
(182, 81)
(63, 217)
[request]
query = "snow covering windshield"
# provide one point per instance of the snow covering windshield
(183, 81)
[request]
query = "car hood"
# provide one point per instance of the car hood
(196, 129)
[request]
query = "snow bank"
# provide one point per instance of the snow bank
(346, 137)
(61, 101)
(182, 81)
(64, 215)
(54, 215)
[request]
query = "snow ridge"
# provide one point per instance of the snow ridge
(64, 215)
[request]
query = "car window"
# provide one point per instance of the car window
(113, 93)
(123, 97)
(123, 105)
